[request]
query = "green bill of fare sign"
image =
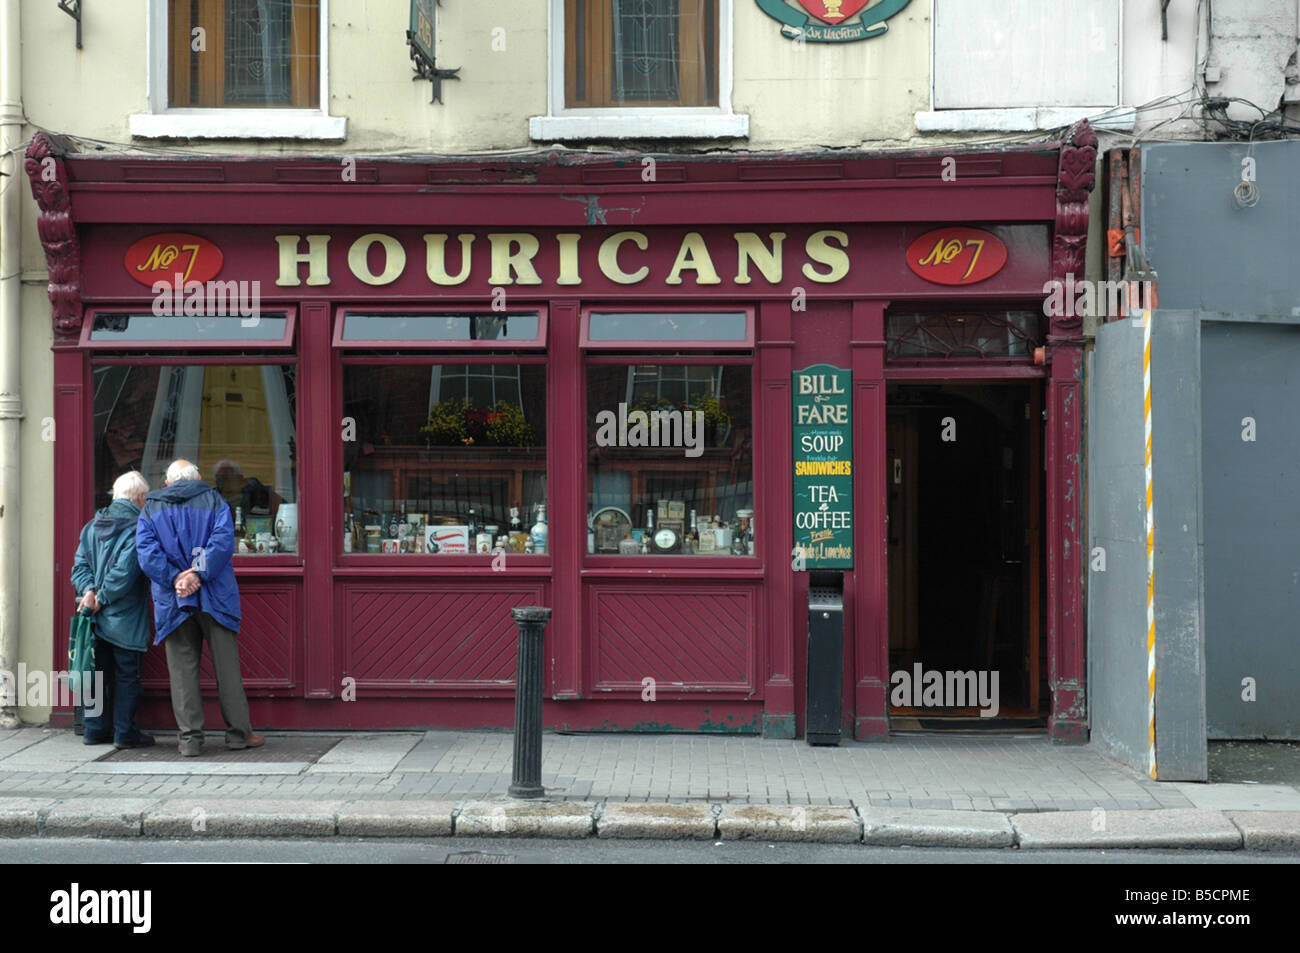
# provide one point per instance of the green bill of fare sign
(823, 468)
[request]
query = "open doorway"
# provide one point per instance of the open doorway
(966, 615)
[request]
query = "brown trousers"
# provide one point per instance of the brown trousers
(184, 649)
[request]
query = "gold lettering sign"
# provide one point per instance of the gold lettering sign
(378, 259)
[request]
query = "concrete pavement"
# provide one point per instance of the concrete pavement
(932, 790)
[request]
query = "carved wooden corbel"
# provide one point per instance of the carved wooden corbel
(49, 180)
(1074, 180)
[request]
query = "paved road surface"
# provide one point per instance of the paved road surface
(378, 851)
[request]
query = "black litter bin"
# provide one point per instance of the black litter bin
(825, 658)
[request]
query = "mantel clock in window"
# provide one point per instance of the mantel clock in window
(621, 53)
(243, 53)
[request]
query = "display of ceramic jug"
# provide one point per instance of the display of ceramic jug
(286, 526)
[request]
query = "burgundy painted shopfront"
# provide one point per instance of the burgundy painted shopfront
(541, 291)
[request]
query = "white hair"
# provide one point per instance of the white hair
(130, 485)
(182, 470)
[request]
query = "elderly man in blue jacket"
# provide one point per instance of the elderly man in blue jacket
(185, 540)
(110, 585)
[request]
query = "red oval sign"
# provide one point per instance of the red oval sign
(162, 257)
(956, 255)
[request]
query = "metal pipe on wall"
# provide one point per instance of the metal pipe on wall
(11, 403)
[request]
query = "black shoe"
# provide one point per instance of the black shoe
(143, 740)
(87, 740)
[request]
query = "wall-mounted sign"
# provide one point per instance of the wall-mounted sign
(956, 255)
(420, 38)
(162, 257)
(823, 467)
(832, 21)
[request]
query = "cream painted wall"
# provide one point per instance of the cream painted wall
(831, 94)
(39, 483)
(795, 95)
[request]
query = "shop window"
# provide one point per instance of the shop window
(235, 421)
(443, 459)
(949, 336)
(669, 434)
(243, 53)
(641, 52)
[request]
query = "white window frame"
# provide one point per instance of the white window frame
(1118, 117)
(638, 122)
(162, 121)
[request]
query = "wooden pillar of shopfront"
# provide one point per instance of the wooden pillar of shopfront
(869, 610)
(319, 471)
(566, 449)
(773, 518)
(1065, 622)
(74, 491)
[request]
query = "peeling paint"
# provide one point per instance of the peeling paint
(596, 214)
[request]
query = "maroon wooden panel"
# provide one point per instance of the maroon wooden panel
(319, 491)
(73, 421)
(404, 638)
(567, 452)
(268, 638)
(691, 636)
(775, 501)
(869, 608)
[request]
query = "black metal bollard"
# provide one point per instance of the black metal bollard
(527, 778)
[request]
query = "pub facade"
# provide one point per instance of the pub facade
(441, 389)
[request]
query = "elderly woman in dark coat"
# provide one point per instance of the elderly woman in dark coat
(108, 580)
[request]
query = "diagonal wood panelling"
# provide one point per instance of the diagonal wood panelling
(268, 628)
(430, 635)
(684, 637)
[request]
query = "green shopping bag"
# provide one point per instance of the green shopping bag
(81, 654)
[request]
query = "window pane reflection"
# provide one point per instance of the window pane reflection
(235, 422)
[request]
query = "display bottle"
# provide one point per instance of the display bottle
(539, 532)
(473, 525)
(239, 522)
(591, 533)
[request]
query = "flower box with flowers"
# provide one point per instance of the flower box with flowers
(459, 423)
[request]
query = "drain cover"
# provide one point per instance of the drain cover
(478, 857)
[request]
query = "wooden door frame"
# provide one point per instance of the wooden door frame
(1033, 502)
